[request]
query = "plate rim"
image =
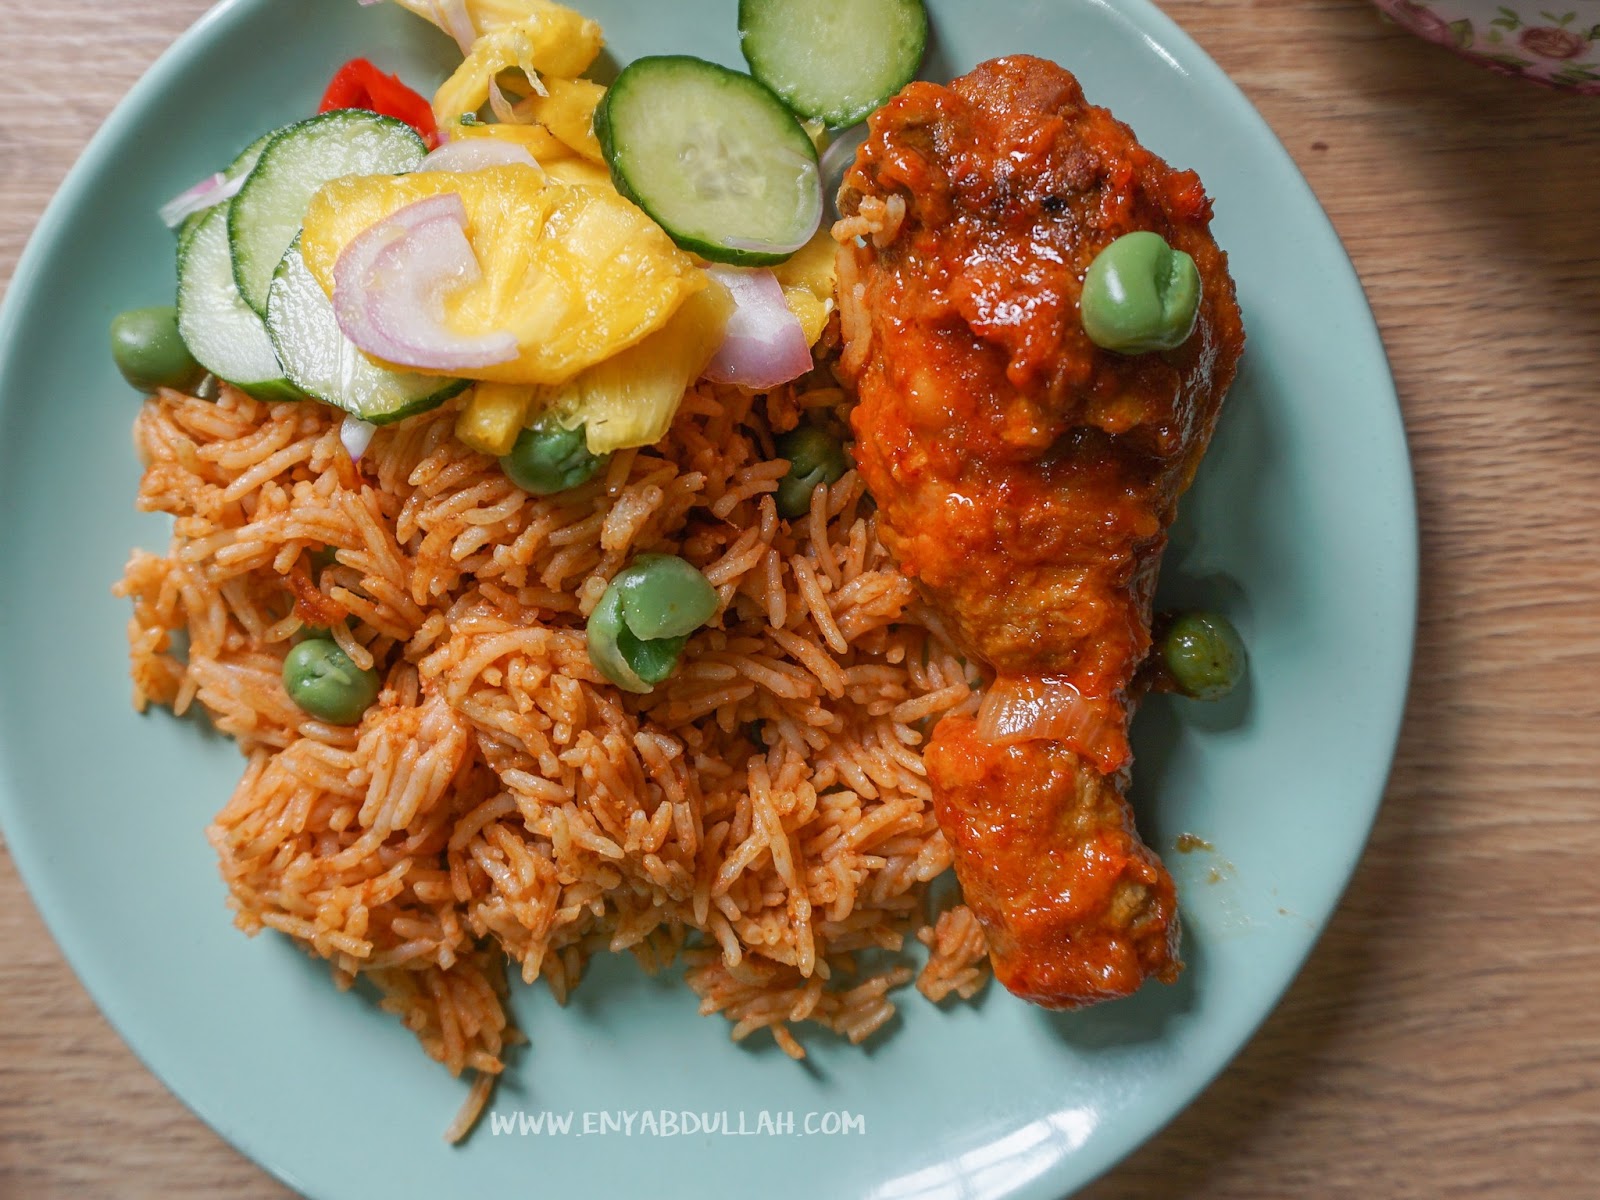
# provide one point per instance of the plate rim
(1185, 55)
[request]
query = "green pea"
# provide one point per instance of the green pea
(1205, 655)
(322, 680)
(547, 459)
(638, 630)
(149, 351)
(1140, 295)
(815, 456)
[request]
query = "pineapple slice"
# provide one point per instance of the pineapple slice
(493, 416)
(576, 274)
(630, 399)
(535, 139)
(807, 279)
(580, 172)
(552, 40)
(486, 15)
(809, 311)
(567, 110)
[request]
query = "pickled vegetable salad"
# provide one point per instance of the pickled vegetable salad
(576, 256)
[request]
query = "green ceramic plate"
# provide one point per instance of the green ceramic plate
(1301, 527)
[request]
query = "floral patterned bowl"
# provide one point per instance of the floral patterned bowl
(1558, 46)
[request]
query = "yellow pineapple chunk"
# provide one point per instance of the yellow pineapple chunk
(493, 416)
(568, 112)
(807, 277)
(551, 40)
(580, 172)
(808, 310)
(486, 15)
(811, 266)
(630, 399)
(576, 274)
(535, 139)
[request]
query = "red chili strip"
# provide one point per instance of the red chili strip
(359, 84)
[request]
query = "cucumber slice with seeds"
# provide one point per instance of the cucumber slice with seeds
(267, 213)
(714, 157)
(221, 330)
(326, 365)
(833, 60)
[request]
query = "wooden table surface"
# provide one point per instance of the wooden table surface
(1443, 1040)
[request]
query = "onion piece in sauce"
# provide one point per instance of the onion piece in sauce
(1050, 709)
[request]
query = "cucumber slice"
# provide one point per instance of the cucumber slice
(833, 60)
(296, 162)
(325, 364)
(238, 168)
(714, 157)
(221, 330)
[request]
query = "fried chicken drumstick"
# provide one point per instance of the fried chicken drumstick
(1026, 478)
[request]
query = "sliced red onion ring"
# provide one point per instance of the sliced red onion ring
(476, 153)
(454, 19)
(356, 435)
(765, 344)
(389, 287)
(208, 193)
(500, 104)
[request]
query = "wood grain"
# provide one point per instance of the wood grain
(1442, 1041)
